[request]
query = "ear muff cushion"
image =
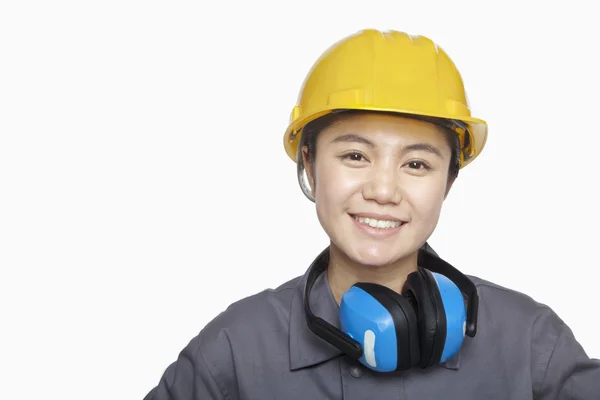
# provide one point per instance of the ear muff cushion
(422, 289)
(413, 355)
(405, 323)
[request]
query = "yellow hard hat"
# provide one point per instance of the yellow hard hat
(387, 71)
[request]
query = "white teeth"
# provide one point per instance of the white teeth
(375, 223)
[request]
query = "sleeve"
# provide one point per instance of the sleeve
(191, 377)
(562, 370)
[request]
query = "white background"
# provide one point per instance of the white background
(144, 186)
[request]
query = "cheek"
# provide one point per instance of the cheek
(426, 200)
(335, 188)
(335, 185)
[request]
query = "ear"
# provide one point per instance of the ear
(309, 168)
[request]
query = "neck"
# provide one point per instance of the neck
(342, 272)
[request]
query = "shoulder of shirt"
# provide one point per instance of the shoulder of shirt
(241, 325)
(519, 316)
(268, 308)
(502, 295)
(511, 303)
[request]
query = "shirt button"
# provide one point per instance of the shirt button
(355, 372)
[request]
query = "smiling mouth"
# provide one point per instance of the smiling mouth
(378, 223)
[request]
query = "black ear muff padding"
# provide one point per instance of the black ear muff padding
(413, 355)
(405, 323)
(422, 289)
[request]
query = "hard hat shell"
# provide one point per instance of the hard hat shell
(387, 71)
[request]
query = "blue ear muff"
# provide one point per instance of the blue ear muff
(441, 313)
(455, 313)
(385, 325)
(386, 331)
(367, 321)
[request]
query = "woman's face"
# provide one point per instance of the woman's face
(379, 182)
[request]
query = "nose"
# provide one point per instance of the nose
(383, 185)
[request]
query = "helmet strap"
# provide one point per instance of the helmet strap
(301, 172)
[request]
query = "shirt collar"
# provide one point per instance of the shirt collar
(306, 348)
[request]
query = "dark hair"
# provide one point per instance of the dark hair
(313, 128)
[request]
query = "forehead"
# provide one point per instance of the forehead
(384, 129)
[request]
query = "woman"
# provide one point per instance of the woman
(380, 132)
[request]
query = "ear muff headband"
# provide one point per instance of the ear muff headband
(318, 325)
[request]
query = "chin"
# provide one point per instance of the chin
(380, 254)
(375, 257)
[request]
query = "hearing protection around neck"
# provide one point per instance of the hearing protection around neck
(423, 326)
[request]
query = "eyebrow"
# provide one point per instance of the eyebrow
(424, 147)
(353, 138)
(411, 147)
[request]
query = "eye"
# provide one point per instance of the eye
(353, 156)
(418, 165)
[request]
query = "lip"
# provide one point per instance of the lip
(377, 233)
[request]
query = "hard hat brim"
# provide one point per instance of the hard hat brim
(477, 128)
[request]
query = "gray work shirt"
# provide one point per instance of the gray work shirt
(261, 348)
